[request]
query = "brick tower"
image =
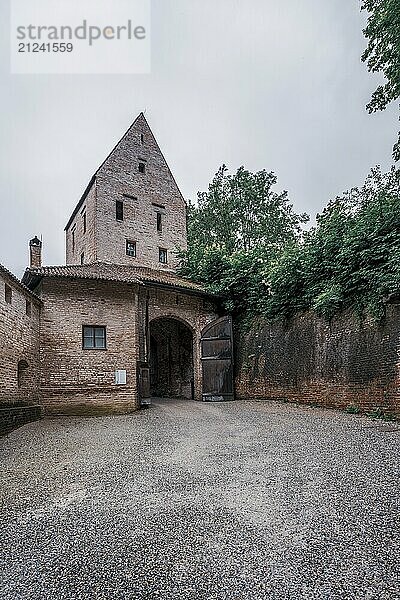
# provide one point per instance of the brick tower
(132, 212)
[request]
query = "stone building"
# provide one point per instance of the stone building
(116, 324)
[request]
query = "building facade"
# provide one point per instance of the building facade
(116, 324)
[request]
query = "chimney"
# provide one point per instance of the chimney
(35, 250)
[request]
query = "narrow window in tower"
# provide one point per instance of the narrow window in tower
(7, 294)
(82, 258)
(119, 210)
(28, 308)
(73, 239)
(159, 222)
(131, 248)
(142, 167)
(84, 222)
(141, 138)
(163, 255)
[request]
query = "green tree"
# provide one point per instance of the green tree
(350, 258)
(235, 230)
(383, 53)
(264, 265)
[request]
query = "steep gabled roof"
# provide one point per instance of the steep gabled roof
(19, 284)
(92, 180)
(120, 273)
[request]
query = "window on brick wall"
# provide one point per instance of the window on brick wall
(8, 294)
(119, 210)
(131, 248)
(142, 167)
(159, 222)
(93, 337)
(28, 308)
(73, 239)
(163, 255)
(84, 222)
(141, 138)
(82, 258)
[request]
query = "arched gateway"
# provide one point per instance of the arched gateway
(171, 359)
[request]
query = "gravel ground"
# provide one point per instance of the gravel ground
(238, 501)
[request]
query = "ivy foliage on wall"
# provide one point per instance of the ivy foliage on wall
(247, 245)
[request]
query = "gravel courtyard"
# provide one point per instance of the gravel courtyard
(238, 501)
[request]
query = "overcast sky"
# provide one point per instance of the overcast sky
(274, 84)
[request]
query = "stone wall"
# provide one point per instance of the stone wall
(339, 364)
(19, 342)
(82, 381)
(12, 417)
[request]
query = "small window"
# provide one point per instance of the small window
(73, 240)
(159, 222)
(163, 255)
(119, 210)
(82, 258)
(28, 308)
(84, 222)
(141, 138)
(8, 294)
(94, 338)
(131, 248)
(142, 167)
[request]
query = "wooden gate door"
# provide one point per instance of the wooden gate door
(217, 360)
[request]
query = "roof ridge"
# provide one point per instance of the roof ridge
(139, 274)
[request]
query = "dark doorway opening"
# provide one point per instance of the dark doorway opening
(23, 369)
(171, 359)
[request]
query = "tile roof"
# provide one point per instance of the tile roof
(17, 282)
(110, 272)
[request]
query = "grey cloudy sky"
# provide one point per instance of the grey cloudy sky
(275, 84)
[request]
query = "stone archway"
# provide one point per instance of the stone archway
(171, 359)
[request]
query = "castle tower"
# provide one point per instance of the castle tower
(132, 212)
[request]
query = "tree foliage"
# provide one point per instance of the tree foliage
(383, 52)
(351, 257)
(238, 226)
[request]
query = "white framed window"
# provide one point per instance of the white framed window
(131, 248)
(163, 255)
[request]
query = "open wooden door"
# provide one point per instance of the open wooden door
(217, 360)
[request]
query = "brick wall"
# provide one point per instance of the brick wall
(78, 241)
(79, 381)
(145, 194)
(12, 417)
(344, 363)
(19, 341)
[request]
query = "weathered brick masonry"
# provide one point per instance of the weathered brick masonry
(19, 351)
(75, 380)
(344, 363)
(19, 342)
(143, 196)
